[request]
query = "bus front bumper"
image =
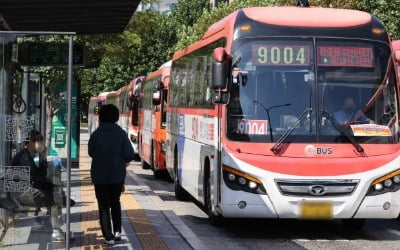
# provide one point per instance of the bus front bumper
(240, 204)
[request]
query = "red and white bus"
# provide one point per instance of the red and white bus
(396, 49)
(127, 101)
(152, 120)
(95, 104)
(287, 112)
(133, 100)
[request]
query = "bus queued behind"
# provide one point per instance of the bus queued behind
(396, 49)
(95, 104)
(287, 112)
(126, 99)
(153, 119)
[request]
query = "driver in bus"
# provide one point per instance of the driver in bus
(349, 113)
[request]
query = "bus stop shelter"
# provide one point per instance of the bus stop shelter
(21, 96)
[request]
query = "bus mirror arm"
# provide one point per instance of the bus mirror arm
(156, 97)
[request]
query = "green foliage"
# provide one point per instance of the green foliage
(387, 11)
(147, 42)
(190, 34)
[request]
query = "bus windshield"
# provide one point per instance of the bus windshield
(321, 90)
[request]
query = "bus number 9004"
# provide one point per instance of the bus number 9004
(280, 55)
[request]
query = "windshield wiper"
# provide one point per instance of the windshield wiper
(339, 128)
(268, 116)
(278, 145)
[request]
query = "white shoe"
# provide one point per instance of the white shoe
(58, 236)
(110, 242)
(117, 236)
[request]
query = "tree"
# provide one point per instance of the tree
(387, 11)
(136, 51)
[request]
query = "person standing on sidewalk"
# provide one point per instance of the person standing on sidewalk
(111, 152)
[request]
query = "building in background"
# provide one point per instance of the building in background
(164, 6)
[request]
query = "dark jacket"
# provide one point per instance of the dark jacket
(37, 174)
(110, 150)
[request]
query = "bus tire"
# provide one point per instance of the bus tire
(353, 224)
(152, 155)
(214, 219)
(145, 165)
(158, 174)
(136, 157)
(180, 193)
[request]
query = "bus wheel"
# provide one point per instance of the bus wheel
(180, 193)
(136, 157)
(353, 224)
(158, 174)
(152, 156)
(145, 165)
(215, 220)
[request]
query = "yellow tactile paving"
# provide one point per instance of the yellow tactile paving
(90, 227)
(145, 231)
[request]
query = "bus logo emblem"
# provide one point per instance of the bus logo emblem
(310, 150)
(317, 190)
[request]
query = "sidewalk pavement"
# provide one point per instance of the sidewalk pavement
(138, 232)
(147, 223)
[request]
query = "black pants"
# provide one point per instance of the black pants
(44, 198)
(107, 196)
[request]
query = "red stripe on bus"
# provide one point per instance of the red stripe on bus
(342, 161)
(191, 111)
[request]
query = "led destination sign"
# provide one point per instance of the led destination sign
(340, 56)
(49, 54)
(268, 54)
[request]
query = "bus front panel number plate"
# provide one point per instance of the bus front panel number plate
(316, 210)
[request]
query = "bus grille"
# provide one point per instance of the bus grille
(316, 188)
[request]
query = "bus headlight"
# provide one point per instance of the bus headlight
(387, 183)
(163, 147)
(378, 187)
(252, 185)
(238, 180)
(231, 177)
(133, 138)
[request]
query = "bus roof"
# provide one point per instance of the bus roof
(163, 71)
(396, 45)
(96, 98)
(297, 17)
(308, 17)
(106, 93)
(135, 82)
(313, 17)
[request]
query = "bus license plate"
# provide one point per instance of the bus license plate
(316, 210)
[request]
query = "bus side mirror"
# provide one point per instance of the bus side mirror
(219, 69)
(129, 100)
(397, 56)
(160, 85)
(156, 97)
